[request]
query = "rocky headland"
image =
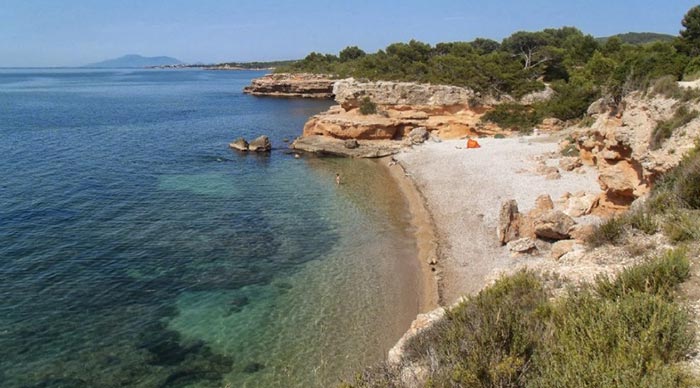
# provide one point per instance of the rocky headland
(292, 85)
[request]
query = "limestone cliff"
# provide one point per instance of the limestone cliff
(618, 143)
(445, 111)
(292, 85)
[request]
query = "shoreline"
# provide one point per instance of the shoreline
(425, 233)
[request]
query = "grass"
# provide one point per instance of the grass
(625, 331)
(664, 129)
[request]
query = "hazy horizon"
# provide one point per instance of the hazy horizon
(41, 33)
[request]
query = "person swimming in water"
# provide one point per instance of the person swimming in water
(337, 178)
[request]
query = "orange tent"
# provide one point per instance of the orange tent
(471, 143)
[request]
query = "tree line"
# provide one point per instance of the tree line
(577, 66)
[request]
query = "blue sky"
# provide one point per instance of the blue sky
(76, 32)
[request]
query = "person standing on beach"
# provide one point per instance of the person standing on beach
(337, 178)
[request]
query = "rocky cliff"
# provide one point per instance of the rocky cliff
(618, 144)
(292, 85)
(396, 109)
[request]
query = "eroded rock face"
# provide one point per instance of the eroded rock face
(402, 107)
(618, 145)
(292, 85)
(350, 93)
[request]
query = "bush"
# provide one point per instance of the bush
(667, 86)
(367, 107)
(642, 221)
(664, 129)
(571, 100)
(631, 342)
(686, 182)
(609, 232)
(512, 116)
(681, 226)
(489, 339)
(660, 276)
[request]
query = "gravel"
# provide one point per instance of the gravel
(464, 189)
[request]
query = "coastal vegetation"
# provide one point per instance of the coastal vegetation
(577, 66)
(627, 331)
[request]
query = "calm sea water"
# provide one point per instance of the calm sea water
(136, 249)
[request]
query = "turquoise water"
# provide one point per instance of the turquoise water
(136, 249)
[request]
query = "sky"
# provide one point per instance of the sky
(77, 32)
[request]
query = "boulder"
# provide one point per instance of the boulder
(418, 135)
(507, 229)
(523, 245)
(260, 144)
(239, 144)
(570, 163)
(562, 247)
(582, 232)
(351, 144)
(544, 203)
(554, 225)
(599, 106)
(580, 204)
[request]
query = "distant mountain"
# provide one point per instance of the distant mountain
(136, 61)
(639, 37)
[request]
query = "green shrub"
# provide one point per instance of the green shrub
(587, 122)
(513, 116)
(571, 100)
(489, 339)
(631, 342)
(682, 225)
(367, 107)
(660, 276)
(664, 129)
(686, 182)
(643, 221)
(667, 86)
(609, 232)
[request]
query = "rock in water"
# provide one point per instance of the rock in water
(261, 144)
(239, 144)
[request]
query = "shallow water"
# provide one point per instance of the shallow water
(136, 249)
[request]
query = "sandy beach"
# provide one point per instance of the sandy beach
(462, 190)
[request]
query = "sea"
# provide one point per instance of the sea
(138, 250)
